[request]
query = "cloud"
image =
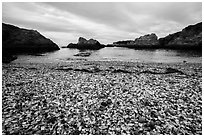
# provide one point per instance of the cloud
(106, 22)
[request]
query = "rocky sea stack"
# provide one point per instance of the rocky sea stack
(189, 38)
(17, 40)
(86, 44)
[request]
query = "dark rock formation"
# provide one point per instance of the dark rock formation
(123, 42)
(83, 54)
(146, 41)
(23, 40)
(110, 45)
(189, 38)
(64, 47)
(17, 40)
(7, 57)
(71, 45)
(86, 44)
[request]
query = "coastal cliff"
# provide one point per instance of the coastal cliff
(189, 38)
(17, 40)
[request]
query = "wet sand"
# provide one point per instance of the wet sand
(105, 97)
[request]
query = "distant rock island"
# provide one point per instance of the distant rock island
(86, 44)
(18, 40)
(146, 41)
(189, 38)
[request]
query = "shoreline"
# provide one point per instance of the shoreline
(102, 97)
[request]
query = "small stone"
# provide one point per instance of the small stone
(152, 124)
(109, 101)
(42, 128)
(181, 118)
(154, 114)
(104, 104)
(142, 120)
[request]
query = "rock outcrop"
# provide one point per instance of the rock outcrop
(86, 44)
(123, 42)
(24, 40)
(17, 40)
(189, 38)
(7, 58)
(83, 54)
(146, 41)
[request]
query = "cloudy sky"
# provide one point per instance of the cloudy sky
(107, 22)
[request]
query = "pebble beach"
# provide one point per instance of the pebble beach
(102, 98)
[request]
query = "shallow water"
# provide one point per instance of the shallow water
(115, 54)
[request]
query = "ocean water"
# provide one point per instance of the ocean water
(115, 54)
